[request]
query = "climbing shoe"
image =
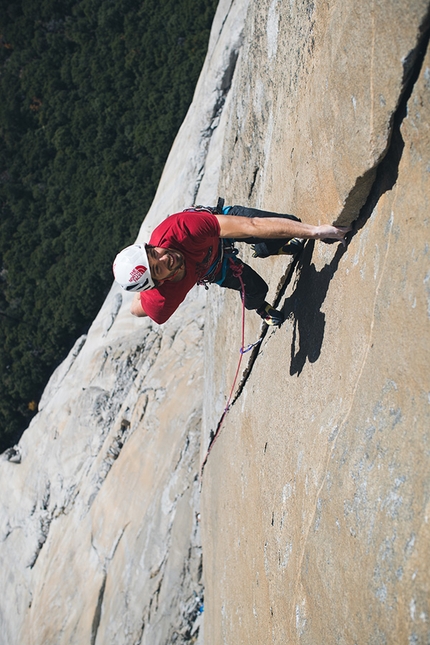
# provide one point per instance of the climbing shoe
(292, 247)
(271, 247)
(263, 249)
(271, 316)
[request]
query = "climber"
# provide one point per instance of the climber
(196, 246)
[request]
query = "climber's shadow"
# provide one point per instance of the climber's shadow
(304, 307)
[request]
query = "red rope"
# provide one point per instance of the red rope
(237, 272)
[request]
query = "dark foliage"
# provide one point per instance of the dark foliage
(93, 93)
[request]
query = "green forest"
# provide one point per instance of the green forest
(92, 95)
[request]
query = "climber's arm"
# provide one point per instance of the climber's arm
(235, 227)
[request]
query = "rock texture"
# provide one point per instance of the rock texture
(99, 532)
(310, 523)
(319, 532)
(105, 472)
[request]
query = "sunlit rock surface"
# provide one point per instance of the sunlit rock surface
(99, 527)
(315, 499)
(311, 521)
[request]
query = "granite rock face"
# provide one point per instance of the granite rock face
(320, 530)
(99, 527)
(105, 472)
(310, 523)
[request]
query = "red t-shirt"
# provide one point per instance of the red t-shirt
(196, 235)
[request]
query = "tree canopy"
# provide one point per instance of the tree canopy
(93, 94)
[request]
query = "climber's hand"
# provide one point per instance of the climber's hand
(335, 233)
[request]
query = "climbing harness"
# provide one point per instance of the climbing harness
(226, 252)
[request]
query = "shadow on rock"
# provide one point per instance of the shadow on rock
(388, 168)
(304, 307)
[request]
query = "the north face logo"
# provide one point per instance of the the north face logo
(137, 273)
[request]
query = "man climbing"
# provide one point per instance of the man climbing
(196, 246)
